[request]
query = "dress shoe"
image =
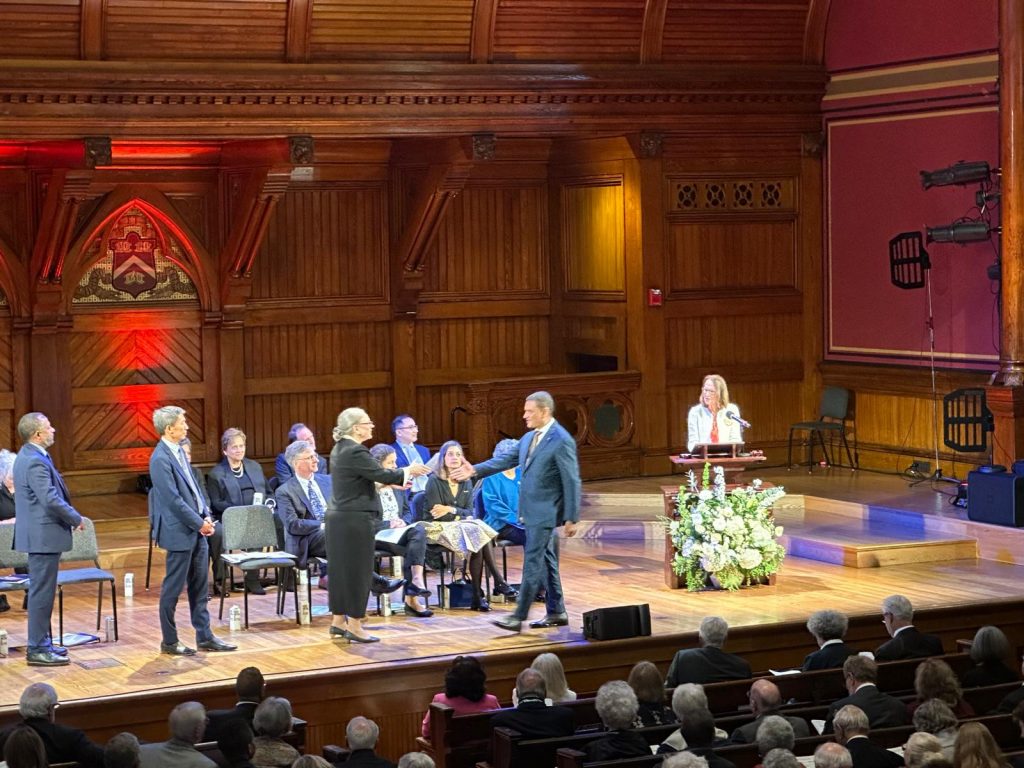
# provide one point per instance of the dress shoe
(177, 649)
(216, 644)
(257, 589)
(557, 620)
(46, 659)
(542, 597)
(506, 590)
(352, 637)
(410, 611)
(4, 605)
(480, 605)
(411, 590)
(60, 650)
(509, 623)
(382, 586)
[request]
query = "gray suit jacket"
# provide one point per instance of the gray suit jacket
(44, 517)
(173, 754)
(176, 519)
(549, 486)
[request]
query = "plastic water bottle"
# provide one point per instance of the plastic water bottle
(304, 614)
(4, 649)
(257, 498)
(129, 584)
(235, 619)
(108, 629)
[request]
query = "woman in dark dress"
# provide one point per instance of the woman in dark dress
(351, 521)
(649, 687)
(989, 651)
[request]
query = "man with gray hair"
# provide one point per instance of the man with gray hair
(851, 728)
(684, 760)
(362, 734)
(186, 724)
(780, 758)
(709, 663)
(686, 699)
(38, 710)
(906, 642)
(860, 675)
(765, 701)
(549, 498)
(416, 760)
(828, 628)
(532, 717)
(122, 751)
(44, 520)
(832, 755)
(181, 525)
(774, 732)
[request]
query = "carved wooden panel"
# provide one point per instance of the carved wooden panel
(125, 357)
(732, 254)
(361, 29)
(725, 196)
(182, 29)
(44, 29)
(491, 241)
(706, 342)
(593, 239)
(316, 349)
(13, 218)
(569, 30)
(459, 345)
(193, 210)
(325, 241)
(753, 30)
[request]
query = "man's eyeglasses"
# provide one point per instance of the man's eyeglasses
(409, 426)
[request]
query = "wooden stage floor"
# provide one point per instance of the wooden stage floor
(597, 571)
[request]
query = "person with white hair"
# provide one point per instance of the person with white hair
(361, 734)
(7, 506)
(684, 760)
(708, 663)
(828, 628)
(780, 758)
(416, 760)
(616, 705)
(851, 728)
(832, 755)
(907, 642)
(271, 721)
(186, 724)
(38, 710)
(686, 699)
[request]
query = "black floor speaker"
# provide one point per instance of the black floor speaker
(996, 498)
(617, 623)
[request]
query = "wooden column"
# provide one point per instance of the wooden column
(812, 269)
(1006, 395)
(51, 392)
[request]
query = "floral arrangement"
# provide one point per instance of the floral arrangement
(725, 539)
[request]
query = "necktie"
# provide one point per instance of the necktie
(714, 426)
(533, 445)
(188, 477)
(315, 505)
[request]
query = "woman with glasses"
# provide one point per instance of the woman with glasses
(713, 419)
(351, 522)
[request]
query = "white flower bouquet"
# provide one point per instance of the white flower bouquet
(728, 538)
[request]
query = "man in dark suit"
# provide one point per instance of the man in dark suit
(1011, 700)
(182, 524)
(362, 735)
(698, 729)
(852, 728)
(907, 642)
(44, 520)
(282, 469)
(250, 687)
(407, 450)
(38, 710)
(828, 628)
(532, 717)
(709, 663)
(549, 497)
(765, 700)
(861, 675)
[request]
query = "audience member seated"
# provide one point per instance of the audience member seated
(414, 760)
(649, 687)
(532, 716)
(1012, 699)
(7, 506)
(852, 729)
(828, 628)
(906, 642)
(780, 758)
(975, 748)
(398, 534)
(186, 724)
(407, 432)
(233, 482)
(923, 750)
(765, 700)
(687, 698)
(235, 744)
(63, 744)
(617, 706)
(936, 718)
(272, 720)
(698, 730)
(122, 751)
(250, 688)
(860, 674)
(774, 732)
(832, 755)
(1017, 761)
(464, 690)
(499, 497)
(935, 679)
(709, 663)
(550, 668)
(990, 651)
(24, 749)
(312, 761)
(285, 471)
(684, 760)
(361, 735)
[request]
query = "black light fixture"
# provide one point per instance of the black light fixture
(960, 232)
(960, 174)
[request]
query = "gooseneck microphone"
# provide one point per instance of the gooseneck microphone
(738, 419)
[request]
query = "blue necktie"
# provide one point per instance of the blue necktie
(314, 501)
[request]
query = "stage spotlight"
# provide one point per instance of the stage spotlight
(961, 232)
(960, 173)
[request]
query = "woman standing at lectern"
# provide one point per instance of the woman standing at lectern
(710, 420)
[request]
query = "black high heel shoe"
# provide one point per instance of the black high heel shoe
(424, 614)
(352, 637)
(411, 590)
(480, 605)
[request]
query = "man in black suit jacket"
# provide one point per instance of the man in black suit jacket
(38, 708)
(852, 728)
(709, 663)
(907, 642)
(698, 729)
(828, 628)
(765, 699)
(532, 717)
(883, 711)
(250, 687)
(1011, 700)
(362, 735)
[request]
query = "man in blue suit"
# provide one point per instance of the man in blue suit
(282, 469)
(181, 525)
(549, 497)
(43, 521)
(407, 451)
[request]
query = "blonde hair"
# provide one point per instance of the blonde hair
(721, 389)
(347, 419)
(551, 669)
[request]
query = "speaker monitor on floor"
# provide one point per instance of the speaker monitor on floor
(617, 623)
(996, 497)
